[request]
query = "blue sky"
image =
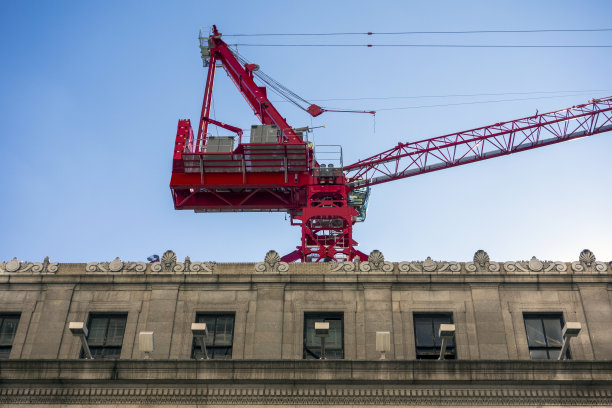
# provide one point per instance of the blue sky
(90, 94)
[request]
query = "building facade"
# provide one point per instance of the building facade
(508, 319)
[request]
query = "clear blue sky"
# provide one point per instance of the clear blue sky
(90, 94)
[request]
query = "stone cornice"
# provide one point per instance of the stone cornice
(306, 382)
(246, 281)
(307, 371)
(169, 266)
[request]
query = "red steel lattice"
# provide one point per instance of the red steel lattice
(285, 176)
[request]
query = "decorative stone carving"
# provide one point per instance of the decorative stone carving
(587, 263)
(554, 267)
(346, 266)
(169, 264)
(272, 264)
(481, 258)
(198, 267)
(287, 394)
(15, 266)
(403, 267)
(429, 266)
(116, 266)
(375, 263)
(482, 263)
(534, 265)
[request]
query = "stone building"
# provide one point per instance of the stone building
(508, 322)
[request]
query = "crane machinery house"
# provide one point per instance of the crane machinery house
(341, 327)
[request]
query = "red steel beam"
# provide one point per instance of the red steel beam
(500, 139)
(256, 96)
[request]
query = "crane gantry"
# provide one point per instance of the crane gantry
(278, 170)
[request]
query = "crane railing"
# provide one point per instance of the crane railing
(410, 159)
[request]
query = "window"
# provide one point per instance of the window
(544, 335)
(8, 328)
(105, 335)
(334, 342)
(220, 336)
(428, 343)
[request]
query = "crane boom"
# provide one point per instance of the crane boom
(276, 169)
(500, 139)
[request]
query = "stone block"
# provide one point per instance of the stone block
(493, 351)
(164, 294)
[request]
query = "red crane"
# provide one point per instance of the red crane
(277, 170)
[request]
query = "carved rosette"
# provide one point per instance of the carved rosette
(15, 266)
(272, 264)
(482, 263)
(587, 263)
(116, 266)
(430, 266)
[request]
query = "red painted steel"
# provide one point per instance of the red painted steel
(500, 139)
(284, 176)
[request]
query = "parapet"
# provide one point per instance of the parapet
(272, 265)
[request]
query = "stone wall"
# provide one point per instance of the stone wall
(487, 300)
(306, 382)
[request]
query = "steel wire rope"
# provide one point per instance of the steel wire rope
(455, 95)
(475, 102)
(284, 92)
(562, 30)
(430, 45)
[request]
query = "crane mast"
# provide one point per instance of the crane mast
(277, 170)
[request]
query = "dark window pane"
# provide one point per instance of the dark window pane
(221, 353)
(111, 352)
(552, 327)
(224, 332)
(538, 354)
(210, 321)
(334, 342)
(424, 333)
(7, 330)
(114, 336)
(105, 335)
(544, 335)
(428, 342)
(220, 336)
(97, 331)
(535, 332)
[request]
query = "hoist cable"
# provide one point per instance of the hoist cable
(425, 45)
(423, 32)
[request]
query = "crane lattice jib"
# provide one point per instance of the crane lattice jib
(242, 76)
(411, 159)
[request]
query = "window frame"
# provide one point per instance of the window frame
(104, 347)
(212, 349)
(547, 348)
(309, 352)
(5, 349)
(433, 353)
